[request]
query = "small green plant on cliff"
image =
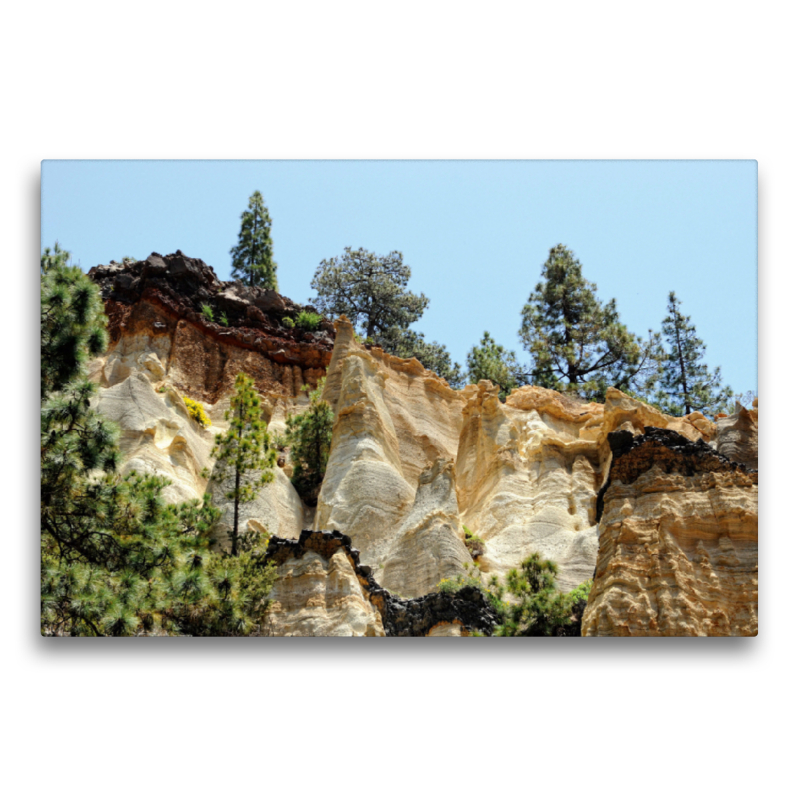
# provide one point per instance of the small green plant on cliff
(207, 312)
(309, 435)
(196, 411)
(475, 545)
(287, 322)
(223, 319)
(162, 389)
(308, 320)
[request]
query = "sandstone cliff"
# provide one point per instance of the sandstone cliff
(611, 489)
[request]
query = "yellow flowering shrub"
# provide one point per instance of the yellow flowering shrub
(197, 412)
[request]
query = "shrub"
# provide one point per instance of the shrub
(162, 389)
(287, 322)
(472, 578)
(475, 545)
(197, 412)
(309, 435)
(208, 312)
(223, 319)
(308, 320)
(540, 609)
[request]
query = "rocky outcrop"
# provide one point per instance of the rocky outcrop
(393, 420)
(156, 326)
(662, 509)
(527, 474)
(678, 541)
(323, 590)
(737, 435)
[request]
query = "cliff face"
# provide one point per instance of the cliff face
(662, 509)
(678, 541)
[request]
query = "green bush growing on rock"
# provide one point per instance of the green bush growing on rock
(196, 411)
(309, 435)
(207, 312)
(475, 545)
(540, 609)
(308, 320)
(472, 578)
(287, 322)
(223, 319)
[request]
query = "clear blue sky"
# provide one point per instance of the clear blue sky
(475, 233)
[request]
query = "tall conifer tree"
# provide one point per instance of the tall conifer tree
(577, 342)
(115, 558)
(252, 257)
(686, 384)
(243, 453)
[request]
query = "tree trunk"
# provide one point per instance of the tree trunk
(687, 408)
(235, 538)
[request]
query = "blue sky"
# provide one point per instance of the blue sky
(475, 233)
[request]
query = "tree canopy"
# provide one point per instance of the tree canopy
(686, 384)
(370, 290)
(432, 355)
(492, 362)
(577, 342)
(253, 261)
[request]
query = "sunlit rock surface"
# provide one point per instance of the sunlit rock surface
(413, 461)
(678, 536)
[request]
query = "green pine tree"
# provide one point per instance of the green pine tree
(686, 384)
(369, 289)
(406, 343)
(244, 452)
(578, 343)
(492, 362)
(539, 608)
(309, 435)
(253, 261)
(115, 559)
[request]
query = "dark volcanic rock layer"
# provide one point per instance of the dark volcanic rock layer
(468, 608)
(163, 296)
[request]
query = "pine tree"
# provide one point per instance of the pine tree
(405, 343)
(491, 361)
(369, 289)
(115, 559)
(578, 343)
(686, 384)
(252, 256)
(243, 453)
(539, 608)
(309, 435)
(73, 323)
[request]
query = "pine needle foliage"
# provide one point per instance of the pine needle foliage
(538, 607)
(578, 343)
(686, 383)
(370, 290)
(492, 362)
(432, 355)
(252, 257)
(243, 452)
(309, 436)
(116, 559)
(73, 323)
